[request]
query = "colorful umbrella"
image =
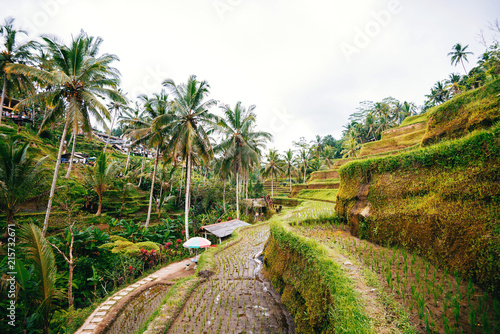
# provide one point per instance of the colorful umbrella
(197, 242)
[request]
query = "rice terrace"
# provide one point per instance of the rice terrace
(137, 197)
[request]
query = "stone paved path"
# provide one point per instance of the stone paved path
(236, 299)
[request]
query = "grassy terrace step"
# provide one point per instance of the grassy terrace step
(315, 288)
(324, 175)
(440, 201)
(396, 139)
(314, 186)
(325, 195)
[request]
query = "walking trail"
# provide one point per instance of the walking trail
(236, 298)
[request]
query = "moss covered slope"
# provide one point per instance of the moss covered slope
(441, 202)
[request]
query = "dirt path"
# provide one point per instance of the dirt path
(236, 299)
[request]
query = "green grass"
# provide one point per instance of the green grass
(327, 195)
(416, 119)
(438, 201)
(315, 289)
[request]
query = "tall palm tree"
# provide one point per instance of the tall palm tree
(241, 144)
(14, 53)
(289, 165)
(20, 177)
(148, 132)
(118, 107)
(189, 127)
(350, 147)
(273, 167)
(459, 54)
(304, 159)
(77, 82)
(100, 177)
(130, 119)
(37, 249)
(317, 145)
(439, 94)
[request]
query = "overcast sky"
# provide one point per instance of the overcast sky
(305, 64)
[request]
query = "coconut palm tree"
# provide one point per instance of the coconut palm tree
(118, 107)
(240, 145)
(100, 177)
(189, 127)
(14, 53)
(439, 94)
(304, 158)
(453, 84)
(350, 147)
(130, 119)
(272, 168)
(317, 145)
(459, 54)
(20, 177)
(289, 166)
(77, 82)
(148, 133)
(37, 249)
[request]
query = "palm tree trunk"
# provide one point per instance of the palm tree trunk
(272, 185)
(3, 95)
(188, 184)
(290, 180)
(99, 209)
(54, 179)
(462, 61)
(110, 130)
(128, 160)
(71, 157)
(305, 172)
(224, 195)
(246, 184)
(237, 196)
(142, 169)
(152, 188)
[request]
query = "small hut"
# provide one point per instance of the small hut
(224, 229)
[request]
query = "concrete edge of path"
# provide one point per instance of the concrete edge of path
(107, 311)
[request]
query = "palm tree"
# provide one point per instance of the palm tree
(189, 126)
(272, 167)
(439, 94)
(147, 132)
(20, 177)
(289, 161)
(78, 80)
(458, 55)
(241, 145)
(130, 119)
(37, 249)
(304, 158)
(14, 53)
(125, 185)
(100, 177)
(350, 147)
(453, 83)
(317, 145)
(118, 107)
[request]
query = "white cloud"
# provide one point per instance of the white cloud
(279, 54)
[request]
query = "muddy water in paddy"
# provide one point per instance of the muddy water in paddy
(237, 298)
